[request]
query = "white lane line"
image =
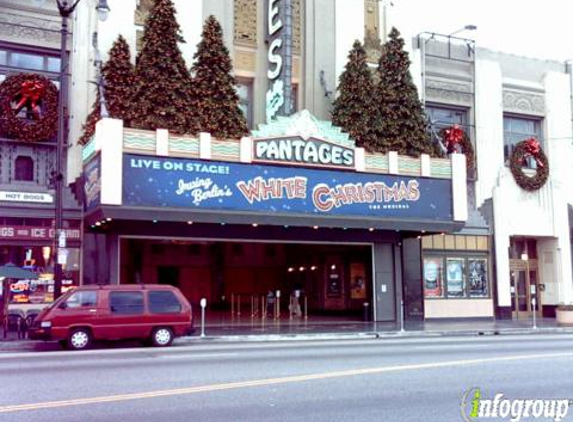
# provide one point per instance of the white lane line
(276, 381)
(451, 346)
(197, 356)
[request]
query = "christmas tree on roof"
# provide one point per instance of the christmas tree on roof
(162, 92)
(119, 81)
(215, 101)
(354, 109)
(403, 121)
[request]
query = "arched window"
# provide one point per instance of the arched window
(24, 168)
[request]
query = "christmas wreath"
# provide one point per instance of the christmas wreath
(456, 141)
(28, 107)
(530, 148)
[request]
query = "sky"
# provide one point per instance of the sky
(540, 29)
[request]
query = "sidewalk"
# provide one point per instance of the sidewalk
(254, 329)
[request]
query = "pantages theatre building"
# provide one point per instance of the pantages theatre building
(294, 206)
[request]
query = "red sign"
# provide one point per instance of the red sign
(35, 233)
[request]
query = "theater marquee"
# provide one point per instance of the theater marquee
(194, 184)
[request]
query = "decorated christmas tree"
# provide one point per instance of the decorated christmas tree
(119, 79)
(403, 123)
(162, 92)
(354, 109)
(215, 101)
(88, 128)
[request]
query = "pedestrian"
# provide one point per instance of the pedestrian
(295, 303)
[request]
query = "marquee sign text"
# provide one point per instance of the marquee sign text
(295, 150)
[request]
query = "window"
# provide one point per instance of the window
(443, 117)
(142, 10)
(14, 59)
(245, 92)
(477, 277)
(455, 277)
(82, 299)
(24, 168)
(27, 61)
(294, 98)
(517, 129)
(126, 302)
(163, 303)
(433, 277)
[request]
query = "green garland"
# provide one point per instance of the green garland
(523, 150)
(43, 128)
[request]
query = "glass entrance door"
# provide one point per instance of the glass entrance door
(524, 288)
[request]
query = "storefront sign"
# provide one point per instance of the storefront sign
(164, 182)
(92, 183)
(34, 233)
(296, 150)
(43, 198)
(275, 95)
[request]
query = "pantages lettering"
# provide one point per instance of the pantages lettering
(310, 152)
(325, 197)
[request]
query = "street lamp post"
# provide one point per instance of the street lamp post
(65, 9)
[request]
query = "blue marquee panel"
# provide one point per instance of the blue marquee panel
(195, 184)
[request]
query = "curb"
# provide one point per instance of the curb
(373, 335)
(14, 346)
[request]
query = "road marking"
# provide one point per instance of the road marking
(274, 381)
(196, 356)
(450, 346)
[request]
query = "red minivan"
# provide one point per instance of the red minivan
(153, 312)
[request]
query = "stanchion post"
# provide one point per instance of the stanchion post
(232, 304)
(534, 303)
(203, 304)
(238, 305)
(305, 307)
(278, 304)
(263, 307)
(402, 315)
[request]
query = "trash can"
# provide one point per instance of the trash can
(366, 311)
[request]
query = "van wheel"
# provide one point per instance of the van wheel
(162, 337)
(79, 339)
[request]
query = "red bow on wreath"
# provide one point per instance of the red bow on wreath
(31, 92)
(453, 136)
(532, 149)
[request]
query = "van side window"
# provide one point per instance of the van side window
(81, 299)
(163, 302)
(126, 302)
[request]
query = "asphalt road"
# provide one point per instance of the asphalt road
(368, 380)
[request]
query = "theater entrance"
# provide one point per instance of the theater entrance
(327, 281)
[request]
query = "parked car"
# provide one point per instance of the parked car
(157, 313)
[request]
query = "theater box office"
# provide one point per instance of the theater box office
(295, 206)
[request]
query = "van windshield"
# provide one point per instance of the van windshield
(58, 300)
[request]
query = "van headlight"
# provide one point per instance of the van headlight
(46, 324)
